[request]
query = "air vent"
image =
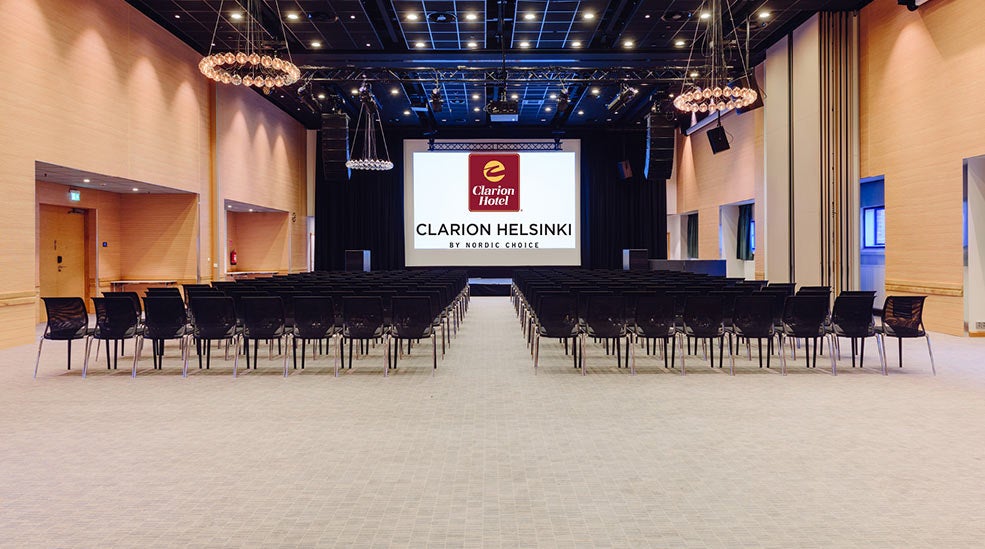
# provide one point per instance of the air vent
(322, 17)
(441, 17)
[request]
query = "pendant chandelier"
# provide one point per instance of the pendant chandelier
(366, 155)
(714, 91)
(250, 64)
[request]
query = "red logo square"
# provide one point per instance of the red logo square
(494, 182)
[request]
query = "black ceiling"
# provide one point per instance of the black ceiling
(405, 47)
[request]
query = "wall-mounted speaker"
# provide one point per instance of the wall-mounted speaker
(334, 145)
(659, 146)
(718, 139)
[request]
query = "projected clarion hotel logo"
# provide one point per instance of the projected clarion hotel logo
(494, 182)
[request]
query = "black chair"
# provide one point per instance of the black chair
(165, 318)
(314, 319)
(902, 318)
(264, 318)
(362, 320)
(411, 319)
(67, 320)
(169, 291)
(214, 319)
(655, 319)
(804, 317)
(605, 318)
(556, 317)
(702, 319)
(852, 318)
(116, 321)
(752, 318)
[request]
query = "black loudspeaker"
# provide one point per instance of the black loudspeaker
(718, 139)
(334, 145)
(624, 170)
(660, 146)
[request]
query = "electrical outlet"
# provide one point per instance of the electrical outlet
(980, 325)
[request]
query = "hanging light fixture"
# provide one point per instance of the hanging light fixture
(365, 155)
(714, 92)
(249, 64)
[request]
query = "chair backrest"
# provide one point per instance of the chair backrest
(263, 316)
(132, 296)
(67, 317)
(116, 317)
(213, 317)
(752, 315)
(362, 316)
(411, 316)
(852, 315)
(557, 314)
(655, 315)
(164, 317)
(703, 315)
(804, 315)
(606, 315)
(314, 316)
(902, 316)
(166, 291)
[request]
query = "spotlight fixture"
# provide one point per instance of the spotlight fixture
(563, 99)
(437, 102)
(471, 16)
(529, 17)
(576, 44)
(473, 44)
(622, 99)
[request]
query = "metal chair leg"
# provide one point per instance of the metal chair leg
(831, 351)
(882, 355)
(185, 344)
(137, 346)
(632, 354)
(931, 351)
(38, 360)
(85, 363)
(783, 356)
(682, 339)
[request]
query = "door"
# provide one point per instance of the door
(62, 251)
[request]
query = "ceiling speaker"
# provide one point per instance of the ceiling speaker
(718, 139)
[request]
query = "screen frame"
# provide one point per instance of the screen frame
(414, 257)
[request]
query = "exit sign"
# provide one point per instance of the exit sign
(75, 195)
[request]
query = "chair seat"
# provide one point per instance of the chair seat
(607, 332)
(66, 337)
(901, 332)
(642, 332)
(359, 334)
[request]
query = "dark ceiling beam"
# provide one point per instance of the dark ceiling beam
(379, 14)
(614, 23)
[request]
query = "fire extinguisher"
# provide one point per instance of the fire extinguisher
(232, 257)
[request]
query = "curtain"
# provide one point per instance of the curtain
(692, 236)
(743, 232)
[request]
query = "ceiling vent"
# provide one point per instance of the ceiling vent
(441, 17)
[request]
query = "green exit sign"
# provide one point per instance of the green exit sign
(75, 195)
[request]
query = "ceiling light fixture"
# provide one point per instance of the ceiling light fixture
(764, 15)
(581, 113)
(249, 66)
(412, 17)
(135, 189)
(596, 91)
(717, 92)
(364, 155)
(705, 16)
(627, 44)
(473, 44)
(86, 180)
(293, 16)
(514, 96)
(524, 44)
(476, 96)
(394, 91)
(419, 45)
(236, 15)
(576, 44)
(315, 44)
(589, 15)
(679, 43)
(547, 109)
(471, 16)
(529, 17)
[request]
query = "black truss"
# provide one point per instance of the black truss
(496, 146)
(613, 75)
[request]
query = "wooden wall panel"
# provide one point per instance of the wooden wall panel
(261, 241)
(920, 78)
(706, 181)
(160, 237)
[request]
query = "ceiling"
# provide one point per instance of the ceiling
(81, 179)
(406, 48)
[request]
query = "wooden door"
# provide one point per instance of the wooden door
(61, 253)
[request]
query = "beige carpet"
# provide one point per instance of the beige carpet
(485, 453)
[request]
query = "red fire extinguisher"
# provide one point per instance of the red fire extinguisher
(232, 257)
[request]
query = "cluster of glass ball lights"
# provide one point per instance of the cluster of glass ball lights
(261, 71)
(717, 99)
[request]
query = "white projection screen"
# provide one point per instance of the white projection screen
(492, 208)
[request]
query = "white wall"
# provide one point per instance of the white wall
(776, 208)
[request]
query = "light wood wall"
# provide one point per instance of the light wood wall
(706, 181)
(99, 87)
(260, 240)
(920, 84)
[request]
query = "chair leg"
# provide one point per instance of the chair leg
(582, 345)
(434, 352)
(236, 342)
(283, 339)
(184, 356)
(783, 356)
(900, 339)
(69, 360)
(38, 360)
(931, 351)
(136, 355)
(731, 357)
(683, 339)
(537, 350)
(831, 351)
(85, 362)
(338, 351)
(882, 355)
(861, 354)
(386, 358)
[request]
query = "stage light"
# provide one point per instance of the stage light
(437, 103)
(623, 98)
(563, 99)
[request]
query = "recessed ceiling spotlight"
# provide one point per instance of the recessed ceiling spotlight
(236, 15)
(321, 96)
(694, 74)
(581, 113)
(316, 44)
(475, 96)
(412, 17)
(135, 189)
(524, 44)
(595, 91)
(354, 91)
(529, 17)
(547, 109)
(576, 44)
(419, 44)
(293, 16)
(514, 96)
(679, 43)
(608, 120)
(589, 15)
(647, 16)
(176, 16)
(352, 17)
(444, 120)
(476, 119)
(473, 44)
(86, 180)
(705, 15)
(471, 16)
(627, 44)
(394, 91)
(543, 120)
(476, 109)
(230, 206)
(764, 15)
(368, 45)
(553, 96)
(251, 209)
(406, 113)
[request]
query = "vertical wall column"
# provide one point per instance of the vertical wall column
(839, 150)
(774, 224)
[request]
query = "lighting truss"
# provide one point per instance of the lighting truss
(612, 75)
(493, 146)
